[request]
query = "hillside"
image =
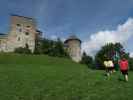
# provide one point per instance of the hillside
(24, 77)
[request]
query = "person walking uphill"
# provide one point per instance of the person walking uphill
(109, 67)
(123, 63)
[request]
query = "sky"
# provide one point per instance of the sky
(95, 22)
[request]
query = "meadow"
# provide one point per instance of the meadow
(39, 77)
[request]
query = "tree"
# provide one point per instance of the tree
(87, 60)
(57, 49)
(131, 64)
(47, 46)
(51, 48)
(38, 47)
(112, 51)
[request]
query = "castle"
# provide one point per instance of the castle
(23, 33)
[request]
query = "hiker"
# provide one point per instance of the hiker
(108, 66)
(123, 63)
(111, 65)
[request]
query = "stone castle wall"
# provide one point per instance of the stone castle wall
(22, 33)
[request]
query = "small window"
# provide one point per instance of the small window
(26, 45)
(18, 38)
(20, 30)
(28, 26)
(18, 25)
(26, 33)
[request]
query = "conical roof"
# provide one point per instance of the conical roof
(73, 37)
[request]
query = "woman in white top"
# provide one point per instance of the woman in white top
(109, 66)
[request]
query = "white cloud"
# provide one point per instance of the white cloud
(53, 37)
(96, 40)
(131, 54)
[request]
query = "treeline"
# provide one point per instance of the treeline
(47, 47)
(114, 51)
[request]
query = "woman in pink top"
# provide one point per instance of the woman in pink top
(124, 68)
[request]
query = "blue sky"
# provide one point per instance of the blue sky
(61, 18)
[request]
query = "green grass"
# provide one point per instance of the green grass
(45, 78)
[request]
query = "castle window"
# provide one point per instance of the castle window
(28, 26)
(18, 25)
(20, 30)
(18, 38)
(26, 33)
(27, 46)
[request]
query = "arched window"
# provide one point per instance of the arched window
(28, 26)
(18, 25)
(26, 33)
(27, 46)
(18, 38)
(18, 28)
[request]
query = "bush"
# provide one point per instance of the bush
(131, 64)
(87, 60)
(51, 47)
(21, 50)
(57, 49)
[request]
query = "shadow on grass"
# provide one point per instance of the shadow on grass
(121, 80)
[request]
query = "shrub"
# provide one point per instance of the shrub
(51, 47)
(22, 50)
(131, 64)
(87, 60)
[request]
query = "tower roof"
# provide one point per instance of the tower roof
(21, 16)
(72, 37)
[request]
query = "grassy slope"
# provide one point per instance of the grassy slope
(46, 78)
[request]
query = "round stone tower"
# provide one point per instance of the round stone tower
(73, 46)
